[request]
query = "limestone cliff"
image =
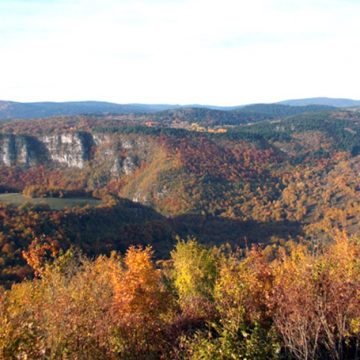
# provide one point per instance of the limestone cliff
(135, 166)
(20, 150)
(70, 149)
(118, 155)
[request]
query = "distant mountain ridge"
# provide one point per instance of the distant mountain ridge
(35, 110)
(336, 102)
(241, 115)
(12, 110)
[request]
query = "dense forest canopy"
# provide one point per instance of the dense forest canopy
(293, 301)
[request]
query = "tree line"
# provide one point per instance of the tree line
(294, 301)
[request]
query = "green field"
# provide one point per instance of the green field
(17, 199)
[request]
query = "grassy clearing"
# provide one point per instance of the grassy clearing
(17, 199)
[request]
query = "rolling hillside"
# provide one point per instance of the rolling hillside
(264, 182)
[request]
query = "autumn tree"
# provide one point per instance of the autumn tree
(243, 327)
(195, 273)
(316, 300)
(140, 305)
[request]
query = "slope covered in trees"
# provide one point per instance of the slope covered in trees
(289, 186)
(260, 183)
(289, 302)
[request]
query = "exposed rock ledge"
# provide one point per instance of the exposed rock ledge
(74, 149)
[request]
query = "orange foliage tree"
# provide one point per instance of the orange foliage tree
(140, 303)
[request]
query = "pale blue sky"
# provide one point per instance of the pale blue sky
(179, 51)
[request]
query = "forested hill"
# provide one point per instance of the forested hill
(281, 110)
(291, 177)
(242, 115)
(16, 110)
(322, 101)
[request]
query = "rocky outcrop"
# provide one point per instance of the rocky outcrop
(123, 153)
(20, 150)
(115, 155)
(70, 149)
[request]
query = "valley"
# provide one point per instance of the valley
(166, 199)
(179, 180)
(289, 177)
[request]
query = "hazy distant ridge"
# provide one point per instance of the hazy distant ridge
(322, 101)
(17, 110)
(12, 110)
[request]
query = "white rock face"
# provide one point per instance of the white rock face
(68, 149)
(23, 156)
(100, 139)
(16, 150)
(127, 144)
(116, 155)
(140, 198)
(128, 165)
(116, 169)
(6, 151)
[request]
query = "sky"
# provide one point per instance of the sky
(227, 52)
